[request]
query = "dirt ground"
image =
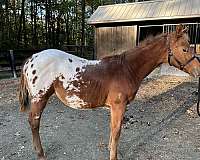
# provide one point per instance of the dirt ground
(160, 124)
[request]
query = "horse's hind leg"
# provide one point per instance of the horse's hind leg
(36, 110)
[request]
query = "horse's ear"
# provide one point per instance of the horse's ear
(185, 30)
(179, 29)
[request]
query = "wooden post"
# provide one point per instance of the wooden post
(12, 63)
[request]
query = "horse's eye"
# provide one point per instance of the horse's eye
(184, 50)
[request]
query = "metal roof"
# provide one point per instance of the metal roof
(148, 10)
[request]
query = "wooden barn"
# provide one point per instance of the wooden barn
(120, 27)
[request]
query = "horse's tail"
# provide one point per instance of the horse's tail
(24, 97)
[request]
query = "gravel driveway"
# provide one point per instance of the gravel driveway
(161, 124)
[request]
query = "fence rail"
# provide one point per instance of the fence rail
(12, 60)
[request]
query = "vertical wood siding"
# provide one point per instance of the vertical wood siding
(114, 40)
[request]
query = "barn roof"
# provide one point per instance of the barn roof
(147, 10)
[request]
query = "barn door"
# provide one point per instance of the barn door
(114, 40)
(149, 30)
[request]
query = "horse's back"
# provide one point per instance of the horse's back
(42, 69)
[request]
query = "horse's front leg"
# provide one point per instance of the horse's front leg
(117, 113)
(34, 121)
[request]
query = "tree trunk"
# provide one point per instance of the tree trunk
(32, 26)
(83, 23)
(24, 31)
(35, 39)
(20, 24)
(47, 23)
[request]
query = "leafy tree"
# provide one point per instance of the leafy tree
(36, 24)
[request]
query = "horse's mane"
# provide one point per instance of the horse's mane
(149, 39)
(118, 58)
(143, 44)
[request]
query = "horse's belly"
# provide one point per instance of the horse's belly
(76, 102)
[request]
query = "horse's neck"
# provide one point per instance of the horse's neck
(145, 59)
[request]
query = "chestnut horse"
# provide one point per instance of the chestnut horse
(112, 81)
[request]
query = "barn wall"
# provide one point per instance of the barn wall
(114, 40)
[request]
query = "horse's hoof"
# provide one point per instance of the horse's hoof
(42, 158)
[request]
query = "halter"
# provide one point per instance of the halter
(171, 55)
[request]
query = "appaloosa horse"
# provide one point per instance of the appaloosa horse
(112, 81)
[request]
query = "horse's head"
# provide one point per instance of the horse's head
(180, 54)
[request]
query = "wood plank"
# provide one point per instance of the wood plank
(115, 40)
